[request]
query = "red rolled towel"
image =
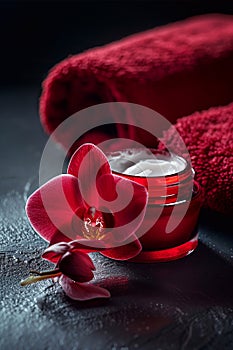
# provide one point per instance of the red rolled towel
(175, 69)
(208, 136)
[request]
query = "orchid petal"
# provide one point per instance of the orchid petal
(89, 163)
(77, 265)
(127, 201)
(124, 252)
(52, 206)
(82, 291)
(88, 245)
(54, 252)
(59, 237)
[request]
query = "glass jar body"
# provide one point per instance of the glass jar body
(170, 227)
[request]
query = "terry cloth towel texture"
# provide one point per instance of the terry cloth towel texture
(176, 70)
(208, 136)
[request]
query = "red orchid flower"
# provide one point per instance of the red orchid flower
(90, 205)
(73, 270)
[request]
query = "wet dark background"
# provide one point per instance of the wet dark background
(187, 304)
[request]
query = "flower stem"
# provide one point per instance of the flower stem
(43, 273)
(39, 276)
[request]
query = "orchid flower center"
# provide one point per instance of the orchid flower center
(93, 226)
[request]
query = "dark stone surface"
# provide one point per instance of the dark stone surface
(185, 304)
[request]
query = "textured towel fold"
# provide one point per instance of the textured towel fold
(176, 70)
(209, 139)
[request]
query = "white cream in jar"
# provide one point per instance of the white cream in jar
(142, 162)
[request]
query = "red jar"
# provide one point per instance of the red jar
(169, 230)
